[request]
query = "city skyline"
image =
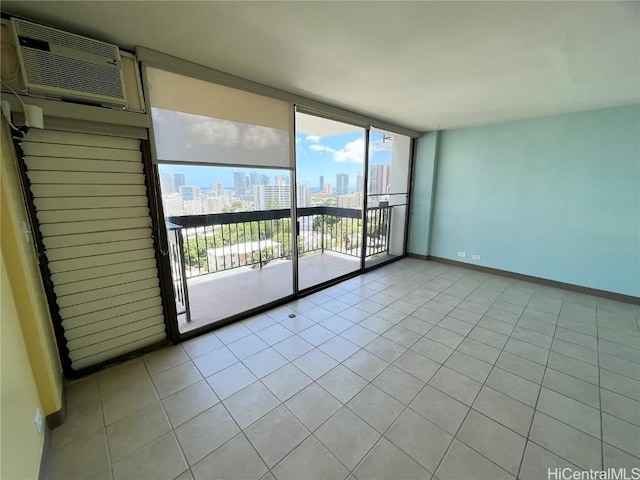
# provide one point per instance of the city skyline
(330, 171)
(316, 157)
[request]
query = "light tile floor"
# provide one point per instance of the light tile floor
(415, 370)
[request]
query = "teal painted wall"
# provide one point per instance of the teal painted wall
(555, 197)
(421, 194)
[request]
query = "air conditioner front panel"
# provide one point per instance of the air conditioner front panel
(64, 39)
(69, 66)
(48, 73)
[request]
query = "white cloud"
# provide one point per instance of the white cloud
(380, 146)
(215, 132)
(353, 152)
(318, 147)
(313, 138)
(261, 137)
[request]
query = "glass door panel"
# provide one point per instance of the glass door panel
(233, 226)
(387, 195)
(225, 161)
(330, 198)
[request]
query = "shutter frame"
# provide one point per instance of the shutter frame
(88, 172)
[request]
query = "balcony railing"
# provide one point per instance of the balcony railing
(175, 248)
(222, 241)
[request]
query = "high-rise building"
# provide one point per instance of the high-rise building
(265, 180)
(322, 183)
(329, 190)
(171, 204)
(167, 183)
(179, 180)
(353, 200)
(342, 183)
(189, 193)
(256, 178)
(217, 188)
(214, 204)
(379, 179)
(360, 184)
(192, 207)
(239, 183)
(304, 196)
(267, 197)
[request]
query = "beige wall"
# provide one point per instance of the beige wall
(31, 371)
(20, 444)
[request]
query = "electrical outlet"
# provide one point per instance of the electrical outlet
(475, 257)
(33, 116)
(462, 254)
(6, 110)
(39, 421)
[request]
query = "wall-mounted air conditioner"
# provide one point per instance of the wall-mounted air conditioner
(63, 65)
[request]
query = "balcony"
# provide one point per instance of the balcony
(227, 263)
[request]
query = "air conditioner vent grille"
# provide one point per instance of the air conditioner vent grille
(87, 77)
(51, 35)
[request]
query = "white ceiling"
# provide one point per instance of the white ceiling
(417, 64)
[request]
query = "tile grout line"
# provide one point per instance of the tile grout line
(104, 423)
(342, 405)
(535, 408)
(401, 413)
(494, 365)
(600, 393)
(455, 436)
(172, 430)
(365, 421)
(408, 407)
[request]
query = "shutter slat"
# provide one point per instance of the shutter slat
(88, 190)
(72, 138)
(77, 151)
(120, 350)
(110, 323)
(106, 303)
(114, 342)
(105, 282)
(89, 274)
(109, 313)
(106, 293)
(98, 249)
(61, 216)
(113, 333)
(48, 177)
(73, 228)
(79, 203)
(62, 241)
(67, 265)
(81, 165)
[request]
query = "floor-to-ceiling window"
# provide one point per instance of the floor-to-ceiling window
(330, 159)
(387, 195)
(248, 227)
(225, 166)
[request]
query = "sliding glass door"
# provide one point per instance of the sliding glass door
(330, 192)
(225, 162)
(233, 226)
(387, 195)
(249, 227)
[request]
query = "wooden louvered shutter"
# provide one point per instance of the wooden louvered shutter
(92, 209)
